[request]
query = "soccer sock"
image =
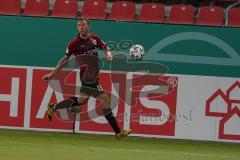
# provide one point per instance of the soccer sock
(72, 101)
(75, 101)
(111, 120)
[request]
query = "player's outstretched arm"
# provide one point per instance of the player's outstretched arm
(108, 53)
(58, 68)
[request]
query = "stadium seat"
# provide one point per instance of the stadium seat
(182, 14)
(234, 17)
(94, 9)
(211, 15)
(152, 12)
(10, 7)
(123, 10)
(65, 8)
(36, 8)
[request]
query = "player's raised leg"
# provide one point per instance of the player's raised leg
(67, 103)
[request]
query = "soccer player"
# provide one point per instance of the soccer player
(84, 48)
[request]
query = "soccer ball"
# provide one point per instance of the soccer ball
(136, 52)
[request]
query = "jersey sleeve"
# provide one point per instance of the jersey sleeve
(100, 43)
(70, 49)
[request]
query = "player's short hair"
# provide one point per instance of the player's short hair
(83, 19)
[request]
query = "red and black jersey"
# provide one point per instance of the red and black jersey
(86, 54)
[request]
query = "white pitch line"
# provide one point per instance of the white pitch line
(129, 150)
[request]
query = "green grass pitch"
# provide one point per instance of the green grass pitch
(29, 145)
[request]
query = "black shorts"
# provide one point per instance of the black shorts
(92, 89)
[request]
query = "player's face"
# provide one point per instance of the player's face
(83, 27)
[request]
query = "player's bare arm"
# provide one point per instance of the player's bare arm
(108, 54)
(58, 68)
